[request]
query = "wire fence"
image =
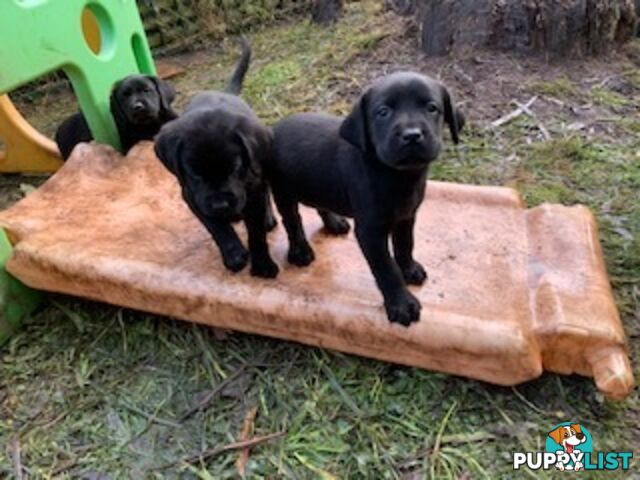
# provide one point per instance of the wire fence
(179, 25)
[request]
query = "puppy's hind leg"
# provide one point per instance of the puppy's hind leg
(300, 252)
(402, 235)
(333, 223)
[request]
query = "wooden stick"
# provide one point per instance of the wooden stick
(214, 452)
(151, 417)
(541, 127)
(16, 457)
(212, 394)
(514, 114)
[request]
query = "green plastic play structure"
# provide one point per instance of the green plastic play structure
(41, 36)
(16, 299)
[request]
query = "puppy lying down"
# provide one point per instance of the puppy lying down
(140, 105)
(216, 149)
(371, 166)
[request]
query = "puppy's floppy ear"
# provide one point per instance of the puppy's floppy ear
(354, 128)
(557, 435)
(576, 427)
(116, 109)
(167, 95)
(168, 145)
(256, 139)
(451, 115)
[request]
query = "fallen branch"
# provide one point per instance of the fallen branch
(214, 452)
(514, 114)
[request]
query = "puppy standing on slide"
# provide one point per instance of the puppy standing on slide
(371, 166)
(216, 149)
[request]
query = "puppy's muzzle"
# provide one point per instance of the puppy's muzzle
(414, 147)
(412, 136)
(141, 113)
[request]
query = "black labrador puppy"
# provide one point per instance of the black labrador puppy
(371, 166)
(216, 149)
(140, 105)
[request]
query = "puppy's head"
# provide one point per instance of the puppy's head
(142, 100)
(217, 157)
(400, 119)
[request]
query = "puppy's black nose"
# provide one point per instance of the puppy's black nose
(412, 135)
(579, 436)
(138, 107)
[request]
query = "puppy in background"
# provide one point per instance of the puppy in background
(140, 105)
(216, 149)
(371, 166)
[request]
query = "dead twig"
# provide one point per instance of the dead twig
(214, 452)
(529, 112)
(248, 428)
(151, 417)
(16, 458)
(463, 75)
(73, 461)
(606, 80)
(202, 404)
(514, 114)
(450, 440)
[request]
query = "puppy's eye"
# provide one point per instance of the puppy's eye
(383, 111)
(432, 108)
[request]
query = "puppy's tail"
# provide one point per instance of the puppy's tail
(235, 83)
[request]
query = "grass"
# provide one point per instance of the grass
(602, 96)
(89, 389)
(559, 87)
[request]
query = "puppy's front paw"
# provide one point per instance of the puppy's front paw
(404, 309)
(336, 224)
(264, 268)
(301, 255)
(236, 259)
(414, 274)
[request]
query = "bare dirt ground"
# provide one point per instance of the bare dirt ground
(88, 389)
